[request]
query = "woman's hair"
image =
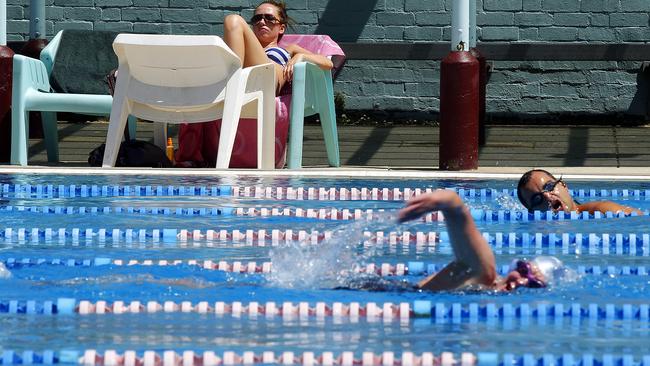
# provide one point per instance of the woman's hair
(282, 10)
(525, 179)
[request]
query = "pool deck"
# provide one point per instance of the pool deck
(413, 150)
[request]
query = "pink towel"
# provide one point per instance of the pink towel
(316, 43)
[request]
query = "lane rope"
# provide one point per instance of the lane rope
(412, 268)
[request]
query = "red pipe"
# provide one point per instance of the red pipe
(6, 74)
(459, 77)
(482, 85)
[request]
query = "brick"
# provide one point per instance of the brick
(229, 4)
(141, 14)
(15, 12)
(111, 14)
(304, 16)
(151, 3)
(188, 4)
(82, 14)
(496, 18)
(112, 3)
(432, 18)
(179, 15)
(70, 3)
(558, 34)
(571, 19)
(423, 33)
(73, 25)
(600, 34)
(532, 5)
(386, 18)
(599, 20)
(558, 90)
(392, 5)
(561, 5)
(52, 13)
(502, 5)
(373, 32)
(528, 34)
(186, 28)
(500, 33)
(394, 33)
(155, 28)
(533, 19)
(17, 26)
(635, 5)
(628, 20)
(633, 34)
(114, 26)
(210, 16)
(424, 5)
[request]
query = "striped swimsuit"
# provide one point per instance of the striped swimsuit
(278, 55)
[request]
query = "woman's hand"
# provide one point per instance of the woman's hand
(442, 199)
(288, 68)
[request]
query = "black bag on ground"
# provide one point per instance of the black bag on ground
(133, 153)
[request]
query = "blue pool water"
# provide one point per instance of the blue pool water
(305, 275)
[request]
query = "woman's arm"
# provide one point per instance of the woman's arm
(299, 54)
(474, 261)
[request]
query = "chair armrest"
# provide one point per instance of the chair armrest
(48, 54)
(30, 72)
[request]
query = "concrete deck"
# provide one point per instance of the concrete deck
(508, 148)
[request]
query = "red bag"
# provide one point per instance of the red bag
(198, 142)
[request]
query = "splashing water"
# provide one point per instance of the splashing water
(507, 202)
(333, 263)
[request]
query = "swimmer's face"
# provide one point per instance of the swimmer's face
(523, 276)
(543, 192)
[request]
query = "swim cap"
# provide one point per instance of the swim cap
(554, 270)
(4, 272)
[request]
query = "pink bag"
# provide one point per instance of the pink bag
(198, 143)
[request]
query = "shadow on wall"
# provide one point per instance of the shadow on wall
(640, 104)
(344, 20)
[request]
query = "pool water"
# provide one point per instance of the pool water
(46, 266)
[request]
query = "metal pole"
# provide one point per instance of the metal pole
(3, 22)
(36, 19)
(460, 25)
(472, 23)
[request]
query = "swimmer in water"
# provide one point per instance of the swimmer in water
(474, 263)
(539, 190)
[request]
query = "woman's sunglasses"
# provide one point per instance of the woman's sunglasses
(268, 18)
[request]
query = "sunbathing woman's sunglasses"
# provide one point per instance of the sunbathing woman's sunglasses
(269, 18)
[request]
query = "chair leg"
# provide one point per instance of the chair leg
(328, 123)
(19, 134)
(133, 127)
(51, 135)
(297, 117)
(119, 115)
(266, 124)
(230, 121)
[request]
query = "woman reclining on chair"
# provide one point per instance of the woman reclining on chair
(259, 45)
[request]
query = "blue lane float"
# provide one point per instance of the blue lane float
(83, 190)
(488, 216)
(414, 268)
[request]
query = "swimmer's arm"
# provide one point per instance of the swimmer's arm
(470, 248)
(607, 206)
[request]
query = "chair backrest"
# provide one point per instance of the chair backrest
(176, 61)
(32, 73)
(320, 44)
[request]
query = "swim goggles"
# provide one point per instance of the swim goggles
(546, 188)
(524, 269)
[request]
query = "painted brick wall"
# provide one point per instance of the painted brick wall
(516, 88)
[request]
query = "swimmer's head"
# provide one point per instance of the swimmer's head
(523, 274)
(540, 190)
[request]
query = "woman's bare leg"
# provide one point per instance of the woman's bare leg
(241, 39)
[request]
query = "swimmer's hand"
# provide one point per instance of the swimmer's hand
(439, 200)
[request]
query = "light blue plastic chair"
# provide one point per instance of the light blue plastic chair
(32, 92)
(313, 93)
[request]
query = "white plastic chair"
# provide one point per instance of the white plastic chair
(190, 79)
